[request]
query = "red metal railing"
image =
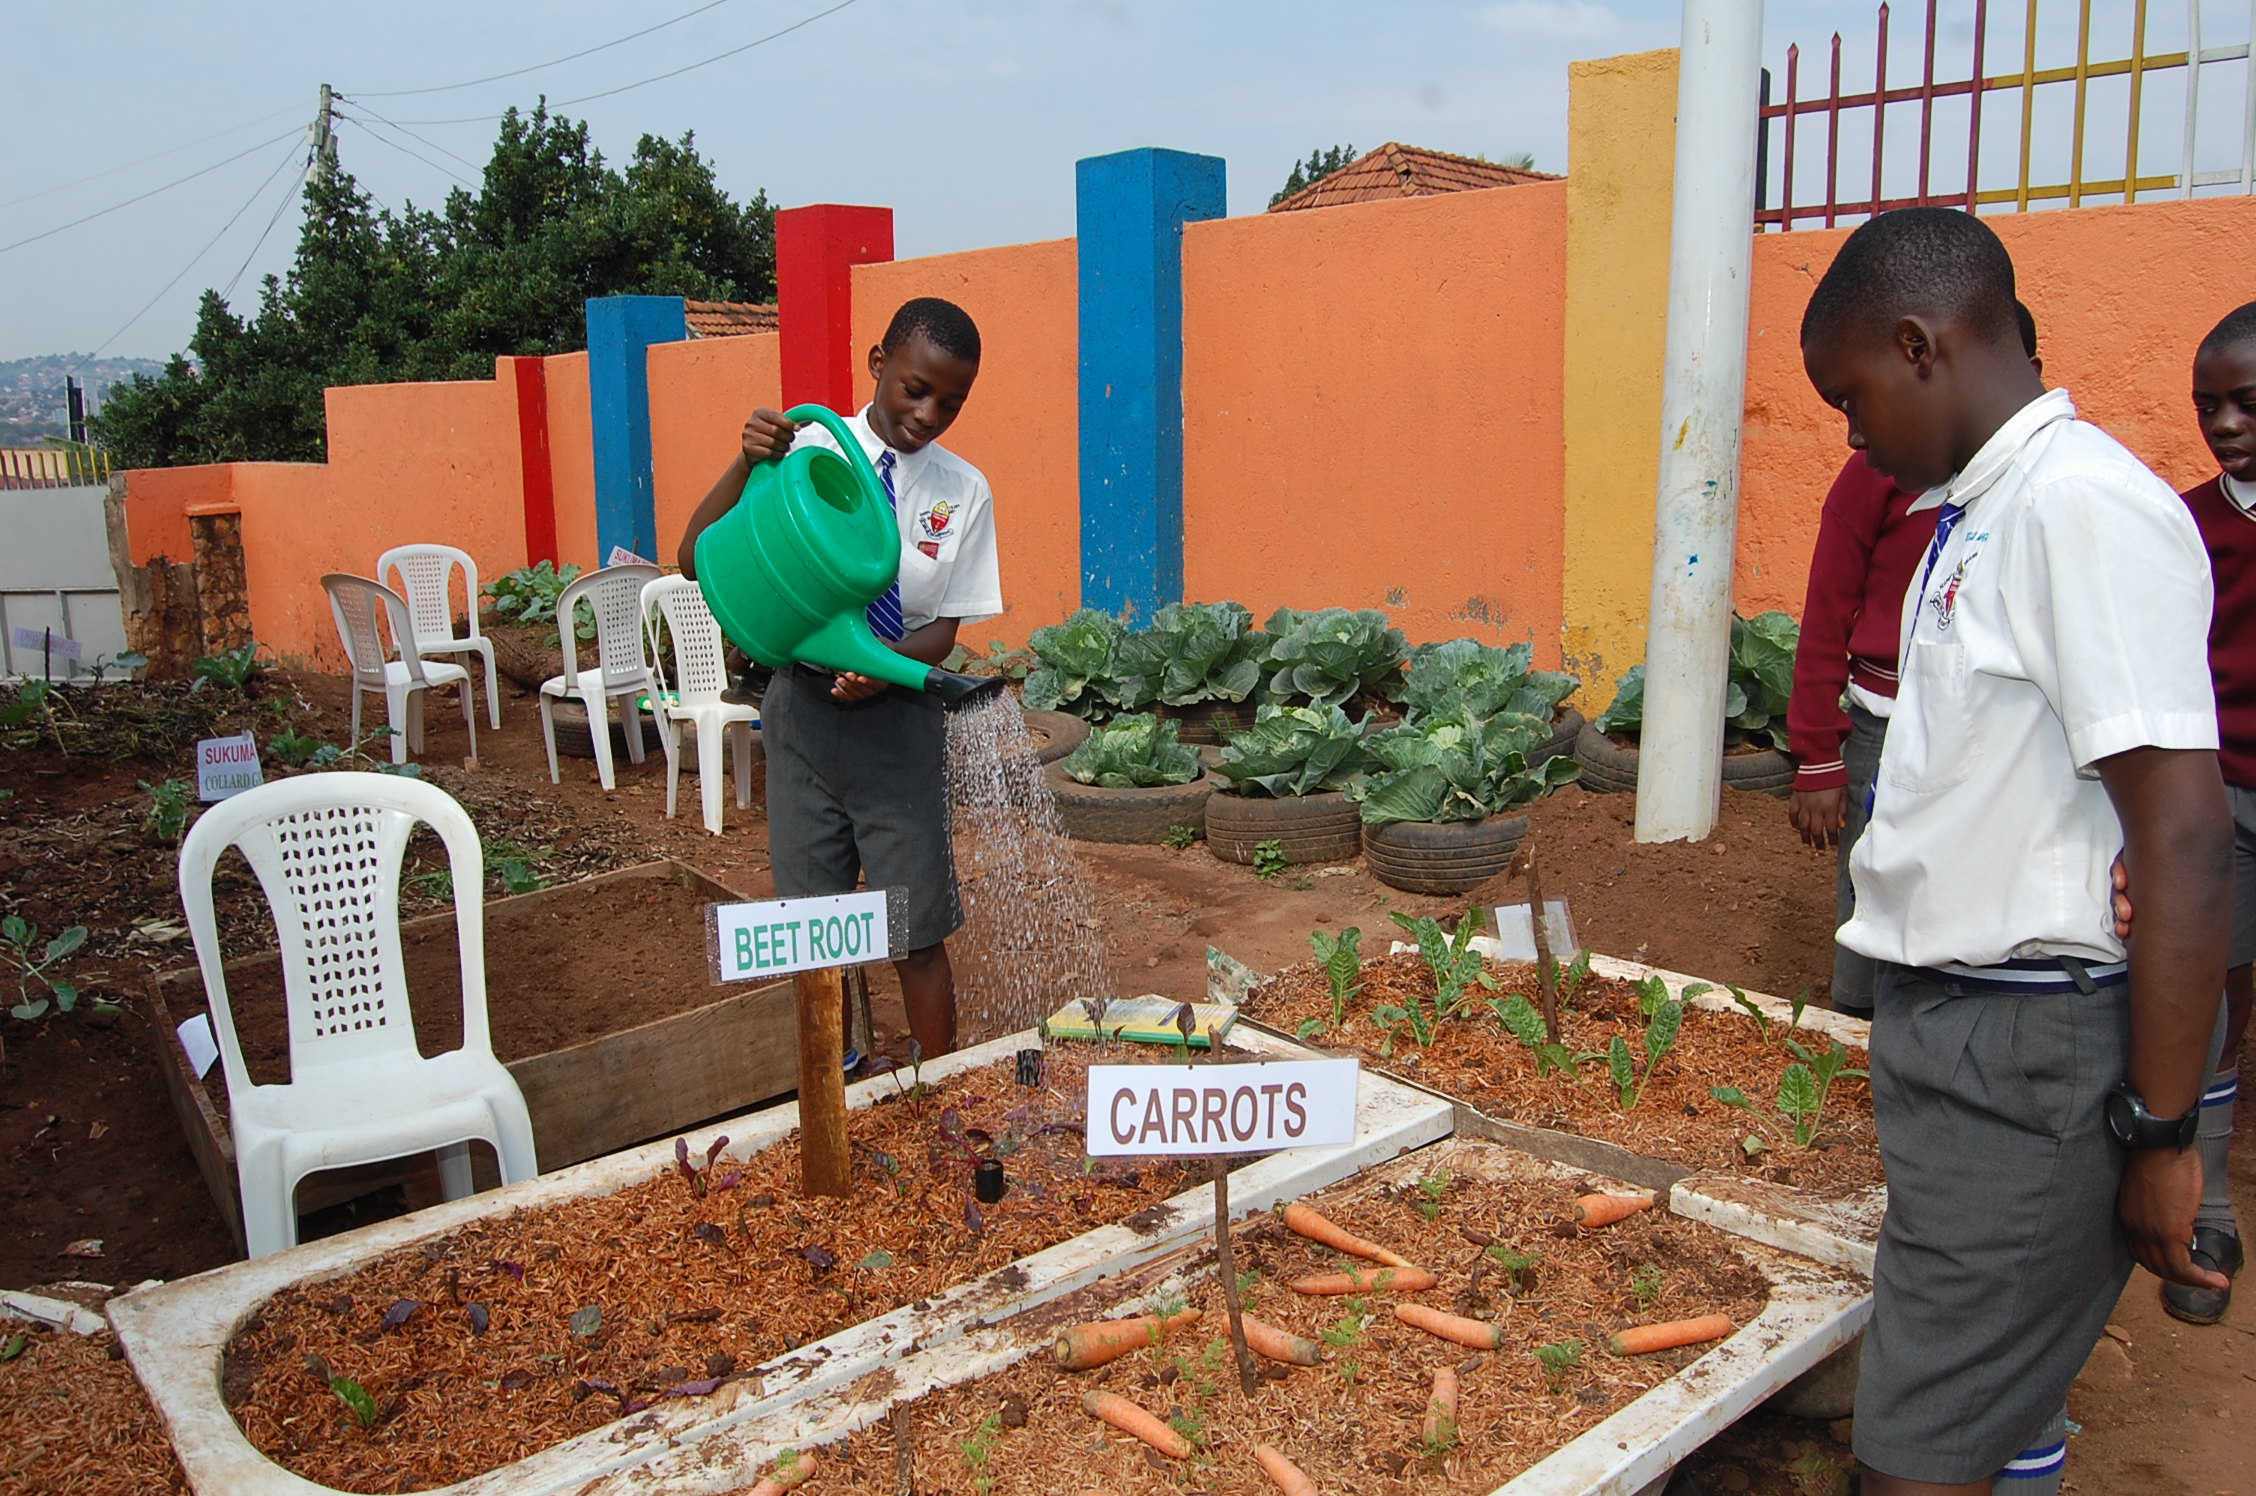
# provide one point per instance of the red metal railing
(1776, 205)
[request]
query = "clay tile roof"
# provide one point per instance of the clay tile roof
(729, 319)
(1396, 170)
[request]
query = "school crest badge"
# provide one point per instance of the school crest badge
(936, 520)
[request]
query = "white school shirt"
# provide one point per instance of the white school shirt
(2064, 620)
(946, 514)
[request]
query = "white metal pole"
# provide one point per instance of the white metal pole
(1703, 398)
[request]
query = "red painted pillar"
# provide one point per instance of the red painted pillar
(816, 249)
(532, 447)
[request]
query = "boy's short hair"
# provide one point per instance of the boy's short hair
(2238, 326)
(1932, 261)
(943, 324)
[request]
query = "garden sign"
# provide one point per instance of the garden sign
(1209, 1109)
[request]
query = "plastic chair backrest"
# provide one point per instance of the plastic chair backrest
(615, 596)
(426, 574)
(327, 850)
(700, 672)
(354, 600)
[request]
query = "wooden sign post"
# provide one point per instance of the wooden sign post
(814, 940)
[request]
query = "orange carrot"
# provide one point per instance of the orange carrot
(1638, 1339)
(1441, 1408)
(1280, 1345)
(1480, 1334)
(1604, 1210)
(1284, 1472)
(1357, 1280)
(1302, 1219)
(1130, 1419)
(792, 1471)
(1084, 1346)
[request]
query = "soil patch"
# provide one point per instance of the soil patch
(1676, 1117)
(671, 1290)
(1355, 1422)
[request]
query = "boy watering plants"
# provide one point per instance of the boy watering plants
(2035, 1083)
(854, 765)
(2224, 401)
(1870, 537)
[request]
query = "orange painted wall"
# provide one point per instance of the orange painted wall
(2121, 297)
(700, 393)
(1372, 402)
(1021, 426)
(571, 457)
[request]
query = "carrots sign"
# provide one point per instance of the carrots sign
(1209, 1109)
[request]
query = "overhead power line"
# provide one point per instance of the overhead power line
(402, 93)
(410, 134)
(385, 140)
(170, 150)
(289, 134)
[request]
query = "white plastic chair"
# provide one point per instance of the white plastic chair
(615, 595)
(354, 601)
(426, 573)
(327, 851)
(673, 607)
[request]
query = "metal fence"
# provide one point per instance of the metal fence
(53, 467)
(1949, 169)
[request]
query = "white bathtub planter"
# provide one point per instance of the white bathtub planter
(175, 1334)
(1814, 1309)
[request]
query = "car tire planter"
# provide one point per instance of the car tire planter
(575, 740)
(1055, 734)
(1324, 827)
(1565, 729)
(1610, 768)
(1442, 856)
(1210, 721)
(1137, 816)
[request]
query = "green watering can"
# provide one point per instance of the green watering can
(790, 571)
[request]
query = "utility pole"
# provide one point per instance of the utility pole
(321, 139)
(74, 404)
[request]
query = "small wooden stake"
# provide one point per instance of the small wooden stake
(825, 1161)
(1224, 1262)
(904, 1452)
(1545, 973)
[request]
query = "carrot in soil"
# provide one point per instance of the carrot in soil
(1284, 1472)
(1604, 1210)
(1281, 1345)
(1084, 1346)
(1357, 1280)
(1306, 1222)
(1130, 1419)
(1637, 1340)
(788, 1477)
(1441, 1408)
(1480, 1334)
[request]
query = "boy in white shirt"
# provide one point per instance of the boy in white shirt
(854, 765)
(2035, 1084)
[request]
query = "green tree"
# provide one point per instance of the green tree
(373, 296)
(1319, 165)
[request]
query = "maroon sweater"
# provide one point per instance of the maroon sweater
(2231, 538)
(1869, 544)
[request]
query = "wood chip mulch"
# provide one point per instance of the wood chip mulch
(598, 1305)
(73, 1421)
(1353, 1424)
(1677, 1119)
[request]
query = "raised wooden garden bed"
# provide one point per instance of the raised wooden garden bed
(602, 1004)
(1002, 1417)
(718, 1286)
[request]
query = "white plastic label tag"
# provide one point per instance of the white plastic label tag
(1205, 1109)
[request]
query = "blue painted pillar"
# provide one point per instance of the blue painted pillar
(1131, 210)
(620, 329)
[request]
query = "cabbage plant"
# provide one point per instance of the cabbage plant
(1330, 656)
(1077, 668)
(1194, 652)
(1470, 680)
(1133, 752)
(1296, 750)
(1450, 769)
(1755, 697)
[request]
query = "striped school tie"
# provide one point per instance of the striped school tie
(885, 614)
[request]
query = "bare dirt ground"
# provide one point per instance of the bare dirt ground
(91, 1149)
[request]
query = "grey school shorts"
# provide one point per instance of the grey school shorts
(2243, 802)
(1999, 1257)
(856, 789)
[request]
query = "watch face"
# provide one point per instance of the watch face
(2122, 1118)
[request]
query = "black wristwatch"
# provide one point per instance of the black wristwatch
(2136, 1127)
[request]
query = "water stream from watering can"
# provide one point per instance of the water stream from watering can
(1032, 939)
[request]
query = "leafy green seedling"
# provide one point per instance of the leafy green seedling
(20, 949)
(231, 669)
(1559, 1358)
(980, 1448)
(1572, 978)
(168, 810)
(1451, 958)
(1269, 859)
(1180, 837)
(1803, 1091)
(1526, 1025)
(14, 1347)
(1519, 1267)
(1431, 1188)
(1747, 1005)
(1342, 963)
(1347, 1330)
(1645, 1284)
(293, 747)
(355, 1397)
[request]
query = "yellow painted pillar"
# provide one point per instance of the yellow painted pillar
(1621, 157)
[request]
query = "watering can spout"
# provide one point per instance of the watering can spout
(962, 690)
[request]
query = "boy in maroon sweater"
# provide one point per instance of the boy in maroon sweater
(1869, 542)
(2224, 401)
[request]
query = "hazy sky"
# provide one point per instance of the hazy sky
(965, 116)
